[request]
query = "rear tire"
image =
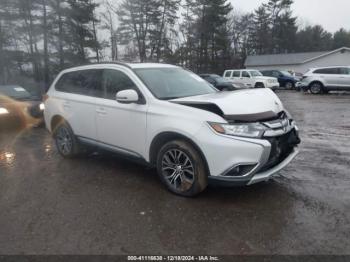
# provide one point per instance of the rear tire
(66, 142)
(182, 169)
(316, 88)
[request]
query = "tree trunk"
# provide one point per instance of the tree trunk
(60, 34)
(46, 54)
(2, 75)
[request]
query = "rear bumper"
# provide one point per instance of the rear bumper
(255, 177)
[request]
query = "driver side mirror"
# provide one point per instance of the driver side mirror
(127, 96)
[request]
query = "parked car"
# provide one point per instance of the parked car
(18, 107)
(174, 120)
(285, 79)
(323, 80)
(250, 79)
(297, 76)
(218, 82)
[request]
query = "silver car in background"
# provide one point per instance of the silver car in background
(323, 80)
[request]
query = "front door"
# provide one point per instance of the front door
(247, 80)
(344, 77)
(120, 126)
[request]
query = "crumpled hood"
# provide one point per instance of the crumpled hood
(240, 105)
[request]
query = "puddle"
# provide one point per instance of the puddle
(7, 158)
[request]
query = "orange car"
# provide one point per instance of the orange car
(19, 108)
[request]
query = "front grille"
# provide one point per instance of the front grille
(281, 148)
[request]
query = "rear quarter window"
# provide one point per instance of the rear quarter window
(84, 82)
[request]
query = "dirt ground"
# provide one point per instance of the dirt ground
(102, 204)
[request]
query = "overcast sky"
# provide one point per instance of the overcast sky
(331, 14)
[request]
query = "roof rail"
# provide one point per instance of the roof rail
(101, 63)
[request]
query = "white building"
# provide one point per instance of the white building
(299, 62)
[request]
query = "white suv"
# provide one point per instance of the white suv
(322, 80)
(250, 79)
(174, 120)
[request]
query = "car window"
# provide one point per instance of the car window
(228, 73)
(327, 71)
(276, 74)
(236, 74)
(115, 81)
(84, 82)
(266, 73)
(15, 92)
(344, 71)
(255, 73)
(245, 74)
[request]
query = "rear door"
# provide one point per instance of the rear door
(76, 95)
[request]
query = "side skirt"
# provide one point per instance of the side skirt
(124, 153)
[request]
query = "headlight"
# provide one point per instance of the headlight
(3, 111)
(251, 130)
(42, 107)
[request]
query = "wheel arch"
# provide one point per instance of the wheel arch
(164, 137)
(263, 83)
(317, 81)
(55, 121)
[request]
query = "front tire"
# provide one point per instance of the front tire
(182, 169)
(316, 88)
(289, 85)
(66, 142)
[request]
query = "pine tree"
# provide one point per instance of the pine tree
(314, 38)
(137, 20)
(80, 33)
(341, 39)
(261, 35)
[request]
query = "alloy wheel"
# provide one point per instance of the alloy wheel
(178, 170)
(64, 140)
(316, 88)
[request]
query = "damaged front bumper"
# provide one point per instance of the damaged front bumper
(279, 148)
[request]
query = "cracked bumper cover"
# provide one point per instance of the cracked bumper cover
(254, 178)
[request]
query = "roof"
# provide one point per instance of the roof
(288, 59)
(128, 65)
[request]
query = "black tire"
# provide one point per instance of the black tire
(66, 142)
(289, 85)
(316, 88)
(182, 169)
(259, 85)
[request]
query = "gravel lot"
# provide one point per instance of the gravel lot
(101, 204)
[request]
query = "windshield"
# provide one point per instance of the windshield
(15, 92)
(172, 83)
(255, 73)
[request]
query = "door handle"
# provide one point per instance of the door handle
(101, 111)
